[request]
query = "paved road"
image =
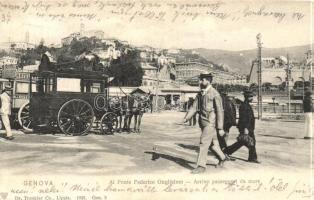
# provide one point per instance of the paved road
(279, 146)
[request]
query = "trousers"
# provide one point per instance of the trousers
(237, 145)
(208, 140)
(309, 123)
(223, 139)
(192, 121)
(6, 122)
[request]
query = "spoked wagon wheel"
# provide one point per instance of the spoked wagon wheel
(75, 117)
(24, 118)
(108, 123)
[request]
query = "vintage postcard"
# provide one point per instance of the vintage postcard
(143, 99)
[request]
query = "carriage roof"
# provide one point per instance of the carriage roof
(71, 74)
(83, 69)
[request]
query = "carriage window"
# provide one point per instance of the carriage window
(95, 90)
(68, 85)
(91, 86)
(24, 87)
(43, 84)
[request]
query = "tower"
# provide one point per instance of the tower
(82, 29)
(27, 37)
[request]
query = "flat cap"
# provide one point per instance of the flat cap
(248, 93)
(209, 75)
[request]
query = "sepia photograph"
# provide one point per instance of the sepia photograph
(143, 99)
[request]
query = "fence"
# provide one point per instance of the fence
(282, 108)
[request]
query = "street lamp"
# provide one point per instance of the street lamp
(274, 104)
(157, 87)
(259, 73)
(288, 71)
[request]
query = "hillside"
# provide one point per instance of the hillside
(240, 61)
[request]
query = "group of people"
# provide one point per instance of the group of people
(215, 122)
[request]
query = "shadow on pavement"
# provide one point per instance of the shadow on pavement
(190, 147)
(194, 148)
(278, 136)
(180, 161)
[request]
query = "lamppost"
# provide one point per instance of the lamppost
(157, 88)
(288, 71)
(259, 74)
(274, 104)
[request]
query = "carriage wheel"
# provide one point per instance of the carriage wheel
(25, 120)
(108, 123)
(75, 117)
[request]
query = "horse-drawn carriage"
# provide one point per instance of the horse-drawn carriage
(69, 97)
(74, 98)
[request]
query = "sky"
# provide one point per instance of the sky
(237, 31)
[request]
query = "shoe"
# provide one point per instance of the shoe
(254, 161)
(9, 138)
(221, 163)
(198, 170)
(228, 158)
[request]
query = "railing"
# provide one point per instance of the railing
(275, 108)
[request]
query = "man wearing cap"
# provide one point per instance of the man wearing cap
(308, 114)
(246, 126)
(5, 111)
(209, 106)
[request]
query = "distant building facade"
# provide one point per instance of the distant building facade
(190, 71)
(8, 60)
(275, 70)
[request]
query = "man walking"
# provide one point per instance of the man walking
(5, 111)
(246, 126)
(209, 106)
(230, 115)
(192, 121)
(308, 114)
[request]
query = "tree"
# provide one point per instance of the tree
(79, 47)
(41, 48)
(127, 70)
(3, 53)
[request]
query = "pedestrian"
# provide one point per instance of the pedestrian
(151, 99)
(246, 126)
(230, 115)
(308, 114)
(192, 121)
(209, 107)
(5, 111)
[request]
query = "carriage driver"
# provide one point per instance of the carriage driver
(208, 104)
(5, 111)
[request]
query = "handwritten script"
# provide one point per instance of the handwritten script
(47, 188)
(172, 11)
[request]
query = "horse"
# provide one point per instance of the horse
(116, 106)
(136, 106)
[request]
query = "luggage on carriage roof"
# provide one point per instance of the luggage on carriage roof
(84, 63)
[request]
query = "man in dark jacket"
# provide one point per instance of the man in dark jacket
(246, 126)
(230, 114)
